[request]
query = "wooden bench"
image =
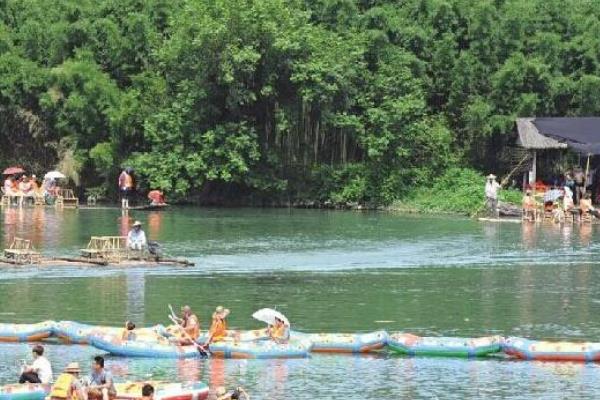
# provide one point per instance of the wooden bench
(66, 198)
(22, 251)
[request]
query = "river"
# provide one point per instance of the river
(328, 271)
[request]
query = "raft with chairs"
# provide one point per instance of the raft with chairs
(100, 250)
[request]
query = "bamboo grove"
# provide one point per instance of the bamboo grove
(269, 101)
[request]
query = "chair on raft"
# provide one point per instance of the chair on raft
(21, 251)
(66, 198)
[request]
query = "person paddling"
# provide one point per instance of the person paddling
(218, 327)
(190, 324)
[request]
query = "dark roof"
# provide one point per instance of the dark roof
(530, 138)
(582, 134)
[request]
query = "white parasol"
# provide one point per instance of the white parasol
(268, 315)
(54, 175)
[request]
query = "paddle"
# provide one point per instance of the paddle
(201, 349)
(173, 312)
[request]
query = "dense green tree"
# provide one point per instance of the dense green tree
(277, 100)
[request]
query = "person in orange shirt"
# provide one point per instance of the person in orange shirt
(218, 328)
(190, 324)
(279, 332)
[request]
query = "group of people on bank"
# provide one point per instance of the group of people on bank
(556, 202)
(23, 187)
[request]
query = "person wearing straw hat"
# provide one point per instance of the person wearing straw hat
(68, 385)
(491, 194)
(218, 328)
(136, 238)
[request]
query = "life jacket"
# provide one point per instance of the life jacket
(62, 386)
(196, 330)
(218, 329)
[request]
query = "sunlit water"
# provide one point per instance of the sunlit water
(327, 271)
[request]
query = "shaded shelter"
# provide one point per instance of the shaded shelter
(580, 134)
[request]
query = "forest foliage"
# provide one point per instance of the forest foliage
(271, 100)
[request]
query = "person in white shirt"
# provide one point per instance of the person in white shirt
(491, 194)
(40, 371)
(136, 239)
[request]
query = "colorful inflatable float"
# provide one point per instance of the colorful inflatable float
(27, 391)
(163, 391)
(76, 333)
(527, 349)
(295, 348)
(344, 342)
(406, 343)
(225, 349)
(26, 332)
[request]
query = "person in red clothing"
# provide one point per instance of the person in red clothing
(156, 197)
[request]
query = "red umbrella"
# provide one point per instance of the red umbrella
(13, 170)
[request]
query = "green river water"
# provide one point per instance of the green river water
(328, 272)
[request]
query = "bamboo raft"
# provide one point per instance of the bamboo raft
(74, 261)
(101, 250)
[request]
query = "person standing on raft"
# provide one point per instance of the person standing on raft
(491, 195)
(126, 187)
(189, 324)
(218, 328)
(40, 371)
(136, 238)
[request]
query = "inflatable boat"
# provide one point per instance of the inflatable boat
(527, 349)
(26, 332)
(77, 333)
(344, 342)
(27, 391)
(163, 391)
(295, 348)
(225, 349)
(405, 343)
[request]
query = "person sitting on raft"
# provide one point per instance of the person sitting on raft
(279, 332)
(585, 206)
(128, 333)
(156, 197)
(136, 239)
(223, 394)
(40, 371)
(101, 386)
(218, 327)
(190, 324)
(68, 385)
(147, 392)
(528, 205)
